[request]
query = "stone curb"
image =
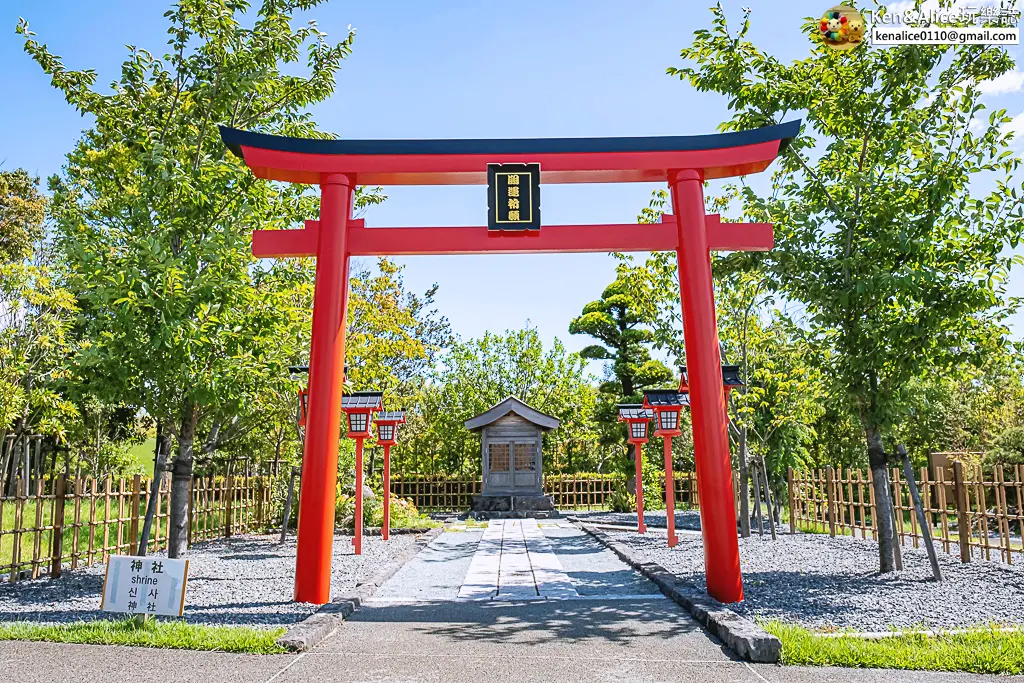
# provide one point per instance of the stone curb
(326, 620)
(748, 640)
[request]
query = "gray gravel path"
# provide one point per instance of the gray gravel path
(592, 568)
(242, 580)
(437, 572)
(823, 582)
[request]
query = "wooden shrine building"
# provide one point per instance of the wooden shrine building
(511, 448)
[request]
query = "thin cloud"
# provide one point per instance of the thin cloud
(1009, 82)
(1016, 126)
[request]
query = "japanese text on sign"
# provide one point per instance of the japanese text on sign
(513, 196)
(144, 585)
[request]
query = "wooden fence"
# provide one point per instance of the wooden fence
(72, 521)
(569, 492)
(972, 513)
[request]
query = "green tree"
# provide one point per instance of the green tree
(881, 231)
(625, 337)
(1008, 448)
(36, 316)
(618, 322)
(476, 374)
(154, 217)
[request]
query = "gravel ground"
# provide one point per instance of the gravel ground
(242, 580)
(823, 583)
(685, 519)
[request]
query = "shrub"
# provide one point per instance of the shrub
(1008, 448)
(654, 486)
(621, 500)
(403, 513)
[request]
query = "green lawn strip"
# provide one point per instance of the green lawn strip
(978, 650)
(177, 635)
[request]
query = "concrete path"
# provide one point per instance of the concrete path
(616, 627)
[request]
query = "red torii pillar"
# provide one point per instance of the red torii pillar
(707, 402)
(326, 376)
(684, 162)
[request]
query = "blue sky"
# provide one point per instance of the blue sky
(437, 69)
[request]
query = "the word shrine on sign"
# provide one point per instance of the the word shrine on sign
(513, 196)
(144, 585)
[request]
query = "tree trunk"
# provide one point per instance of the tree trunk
(883, 502)
(4, 455)
(767, 495)
(181, 484)
(744, 485)
(757, 501)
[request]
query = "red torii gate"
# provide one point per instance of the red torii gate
(684, 162)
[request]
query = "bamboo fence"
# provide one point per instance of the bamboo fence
(974, 514)
(569, 492)
(72, 521)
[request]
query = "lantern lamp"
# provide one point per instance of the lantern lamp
(636, 418)
(666, 406)
(730, 379)
(387, 426)
(358, 407)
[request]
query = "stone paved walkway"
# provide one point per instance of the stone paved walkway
(514, 561)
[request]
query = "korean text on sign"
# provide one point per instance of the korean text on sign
(145, 585)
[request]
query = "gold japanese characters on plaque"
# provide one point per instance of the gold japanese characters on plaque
(513, 196)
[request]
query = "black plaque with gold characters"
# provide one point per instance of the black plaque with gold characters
(513, 196)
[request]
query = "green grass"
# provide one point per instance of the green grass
(143, 455)
(978, 650)
(176, 635)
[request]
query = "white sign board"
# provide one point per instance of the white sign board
(144, 585)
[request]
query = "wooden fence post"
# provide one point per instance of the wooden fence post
(229, 484)
(258, 484)
(963, 517)
(133, 532)
(792, 500)
(19, 506)
(57, 551)
(830, 499)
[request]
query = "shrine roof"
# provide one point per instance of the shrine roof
(511, 405)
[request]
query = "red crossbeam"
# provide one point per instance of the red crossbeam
(551, 239)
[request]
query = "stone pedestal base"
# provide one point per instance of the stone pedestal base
(512, 507)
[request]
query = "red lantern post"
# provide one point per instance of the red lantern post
(636, 417)
(666, 406)
(359, 406)
(387, 435)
